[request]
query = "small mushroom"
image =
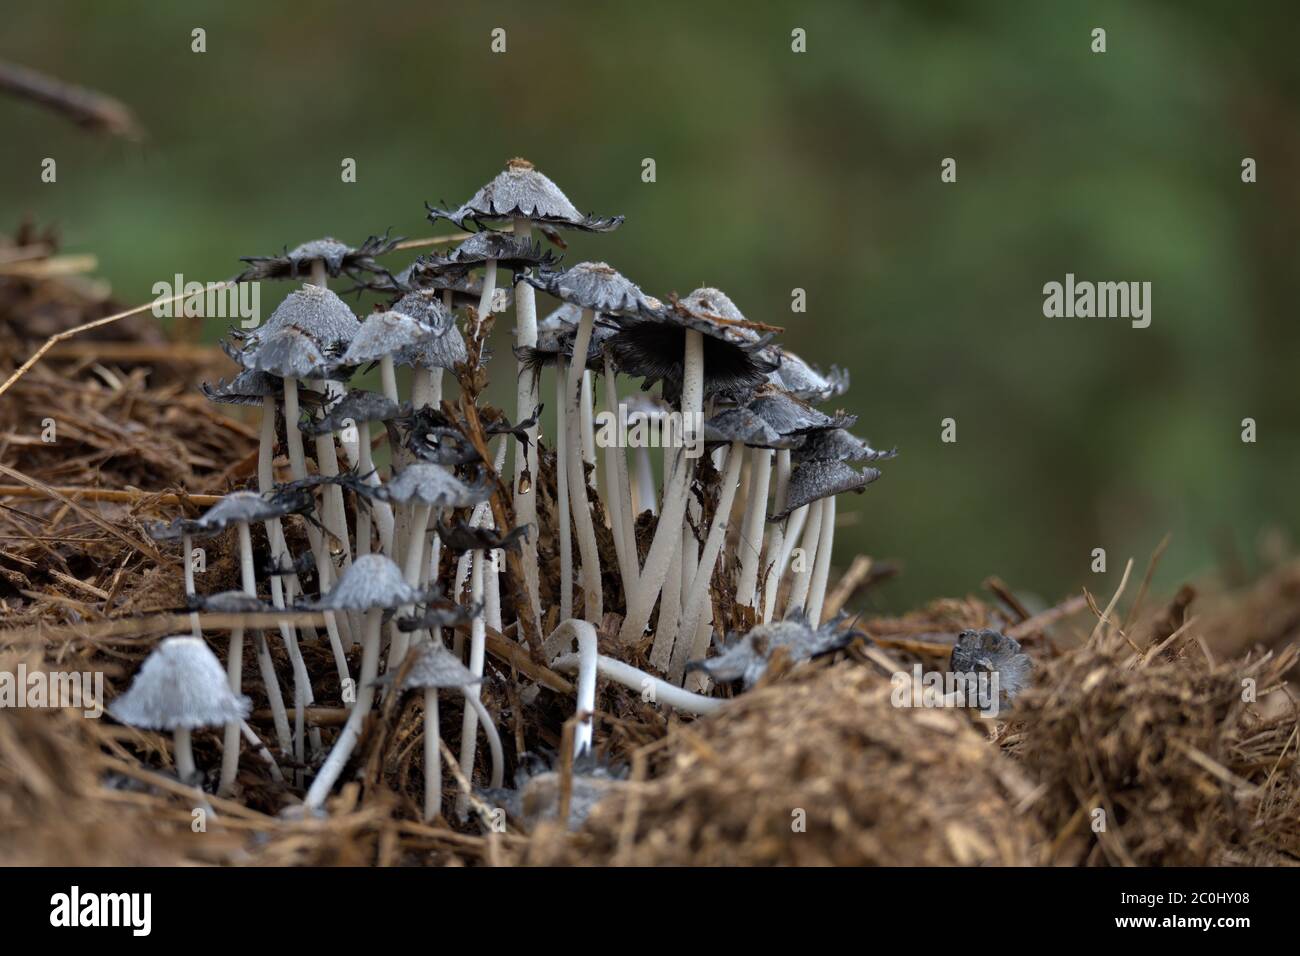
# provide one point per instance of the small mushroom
(434, 668)
(180, 688)
(319, 258)
(372, 584)
(991, 652)
(745, 657)
(381, 337)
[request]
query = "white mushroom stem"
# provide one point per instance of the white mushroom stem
(822, 569)
(298, 468)
(490, 733)
(681, 569)
(411, 571)
(798, 599)
(794, 528)
(302, 692)
(335, 516)
(183, 748)
(318, 274)
(566, 634)
(645, 482)
(751, 528)
(776, 536)
(279, 715)
(477, 646)
(489, 287)
(588, 428)
(187, 560)
(668, 537)
(380, 512)
(562, 493)
(619, 510)
(593, 609)
(426, 386)
(526, 399)
(698, 596)
(351, 732)
(388, 379)
(230, 741)
(432, 756)
(637, 679)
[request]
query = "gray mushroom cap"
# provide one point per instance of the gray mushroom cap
(246, 507)
(315, 310)
(427, 275)
(814, 480)
(288, 352)
(373, 581)
(231, 602)
(383, 334)
(746, 658)
(337, 256)
(806, 382)
(521, 192)
(508, 251)
(356, 406)
(436, 667)
(744, 425)
(840, 445)
(250, 387)
(790, 416)
(597, 286)
(444, 346)
(536, 794)
(990, 651)
(180, 685)
(432, 485)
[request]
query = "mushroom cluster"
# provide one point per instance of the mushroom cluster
(654, 521)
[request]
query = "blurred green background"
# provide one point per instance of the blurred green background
(778, 170)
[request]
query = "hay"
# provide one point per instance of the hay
(872, 784)
(1161, 747)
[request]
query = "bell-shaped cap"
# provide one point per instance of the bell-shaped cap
(180, 685)
(372, 581)
(521, 192)
(814, 480)
(839, 444)
(383, 334)
(238, 507)
(597, 286)
(288, 352)
(314, 310)
(444, 346)
(432, 485)
(338, 258)
(507, 251)
(436, 667)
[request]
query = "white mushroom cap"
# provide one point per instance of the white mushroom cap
(383, 334)
(432, 485)
(373, 581)
(435, 666)
(180, 685)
